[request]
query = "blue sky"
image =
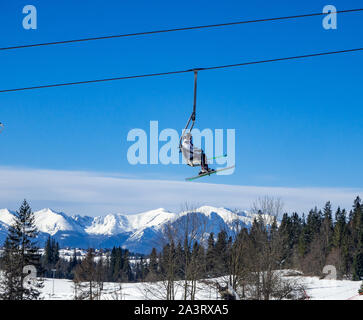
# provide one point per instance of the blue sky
(298, 123)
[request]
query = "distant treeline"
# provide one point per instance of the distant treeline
(115, 263)
(307, 243)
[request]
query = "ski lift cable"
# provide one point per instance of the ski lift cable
(183, 71)
(145, 33)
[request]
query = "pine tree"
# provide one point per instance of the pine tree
(112, 264)
(210, 261)
(221, 252)
(290, 232)
(313, 223)
(356, 227)
(10, 285)
(339, 227)
(180, 261)
(21, 252)
(327, 230)
(153, 264)
(73, 263)
(51, 255)
(357, 224)
(48, 253)
(56, 256)
(118, 264)
(358, 267)
(304, 239)
(127, 274)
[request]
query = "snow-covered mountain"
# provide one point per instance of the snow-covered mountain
(137, 232)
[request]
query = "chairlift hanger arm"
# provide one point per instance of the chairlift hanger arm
(195, 95)
(192, 116)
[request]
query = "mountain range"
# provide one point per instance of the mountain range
(137, 232)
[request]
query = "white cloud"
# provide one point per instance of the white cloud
(90, 193)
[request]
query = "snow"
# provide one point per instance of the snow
(320, 289)
(153, 218)
(230, 216)
(64, 290)
(136, 223)
(51, 222)
(108, 225)
(317, 289)
(6, 216)
(226, 215)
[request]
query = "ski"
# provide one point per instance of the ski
(225, 155)
(207, 174)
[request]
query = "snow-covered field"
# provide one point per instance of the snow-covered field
(317, 289)
(332, 289)
(64, 290)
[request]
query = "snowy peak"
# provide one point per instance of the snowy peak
(227, 215)
(46, 220)
(108, 225)
(119, 223)
(51, 222)
(150, 219)
(6, 216)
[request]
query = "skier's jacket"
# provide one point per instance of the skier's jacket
(191, 154)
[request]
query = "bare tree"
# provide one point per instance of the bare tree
(161, 283)
(100, 274)
(85, 279)
(236, 264)
(181, 259)
(190, 230)
(268, 208)
(265, 254)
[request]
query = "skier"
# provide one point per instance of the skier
(194, 156)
